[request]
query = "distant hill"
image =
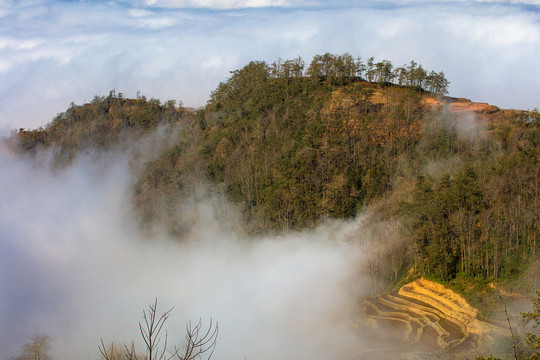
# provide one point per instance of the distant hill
(104, 123)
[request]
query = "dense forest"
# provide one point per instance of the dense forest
(292, 146)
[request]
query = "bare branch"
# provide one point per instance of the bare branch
(129, 352)
(510, 328)
(151, 329)
(103, 350)
(198, 341)
(198, 344)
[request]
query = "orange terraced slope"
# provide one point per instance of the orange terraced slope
(459, 105)
(454, 105)
(422, 320)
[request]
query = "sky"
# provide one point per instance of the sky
(53, 53)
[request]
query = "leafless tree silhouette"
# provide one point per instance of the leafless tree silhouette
(199, 342)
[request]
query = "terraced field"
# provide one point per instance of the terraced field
(423, 320)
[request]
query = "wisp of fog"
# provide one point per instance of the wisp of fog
(75, 265)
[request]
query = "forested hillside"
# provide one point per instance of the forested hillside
(292, 146)
(103, 124)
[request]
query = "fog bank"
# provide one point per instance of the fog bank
(74, 265)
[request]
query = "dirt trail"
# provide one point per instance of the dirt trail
(423, 320)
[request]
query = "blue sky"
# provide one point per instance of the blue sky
(53, 53)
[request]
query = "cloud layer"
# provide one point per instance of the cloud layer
(74, 265)
(56, 52)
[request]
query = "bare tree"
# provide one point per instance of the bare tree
(151, 329)
(198, 342)
(113, 352)
(510, 328)
(36, 349)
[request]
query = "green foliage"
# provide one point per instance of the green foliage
(444, 214)
(343, 69)
(295, 149)
(480, 217)
(104, 123)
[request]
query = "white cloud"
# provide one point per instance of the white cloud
(211, 4)
(14, 44)
(517, 2)
(512, 2)
(58, 52)
(506, 32)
